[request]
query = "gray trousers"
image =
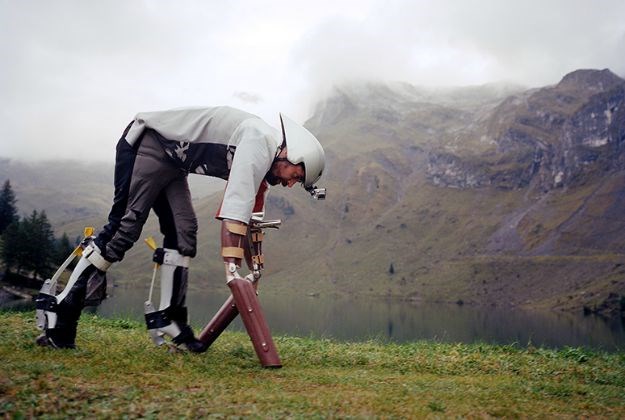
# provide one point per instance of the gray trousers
(156, 183)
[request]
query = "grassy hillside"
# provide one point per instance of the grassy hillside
(117, 372)
(66, 190)
(70, 190)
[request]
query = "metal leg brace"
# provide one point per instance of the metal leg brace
(171, 317)
(57, 315)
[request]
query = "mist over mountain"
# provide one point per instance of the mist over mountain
(493, 195)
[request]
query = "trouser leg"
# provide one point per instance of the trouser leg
(152, 173)
(179, 244)
(124, 164)
(176, 217)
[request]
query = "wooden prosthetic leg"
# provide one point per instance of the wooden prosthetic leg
(246, 301)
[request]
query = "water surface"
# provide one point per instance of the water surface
(398, 321)
(362, 319)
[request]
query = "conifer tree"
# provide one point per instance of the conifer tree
(40, 243)
(8, 210)
(29, 244)
(62, 249)
(12, 246)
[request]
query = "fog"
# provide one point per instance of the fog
(74, 73)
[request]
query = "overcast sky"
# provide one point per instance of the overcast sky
(73, 73)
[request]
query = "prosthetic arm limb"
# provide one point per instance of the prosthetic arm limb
(241, 241)
(228, 311)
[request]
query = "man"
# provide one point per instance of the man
(154, 156)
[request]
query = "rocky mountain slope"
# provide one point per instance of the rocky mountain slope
(493, 195)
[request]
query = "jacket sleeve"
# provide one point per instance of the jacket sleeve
(252, 160)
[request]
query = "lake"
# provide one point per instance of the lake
(361, 319)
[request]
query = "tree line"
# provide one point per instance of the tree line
(27, 244)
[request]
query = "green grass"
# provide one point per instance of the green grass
(117, 372)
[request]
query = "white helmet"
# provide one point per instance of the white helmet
(303, 147)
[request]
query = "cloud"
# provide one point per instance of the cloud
(247, 97)
(465, 42)
(73, 73)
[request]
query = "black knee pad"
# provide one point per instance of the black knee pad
(179, 314)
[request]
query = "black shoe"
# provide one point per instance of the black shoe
(187, 338)
(43, 341)
(59, 338)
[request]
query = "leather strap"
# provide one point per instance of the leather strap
(236, 228)
(232, 252)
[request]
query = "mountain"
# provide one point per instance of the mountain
(66, 190)
(491, 195)
(71, 189)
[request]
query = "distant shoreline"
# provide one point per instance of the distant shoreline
(8, 294)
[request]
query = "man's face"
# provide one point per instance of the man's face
(285, 173)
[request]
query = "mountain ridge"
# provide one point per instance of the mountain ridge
(490, 195)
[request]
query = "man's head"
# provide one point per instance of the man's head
(301, 158)
(284, 172)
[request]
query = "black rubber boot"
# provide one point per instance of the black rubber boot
(187, 338)
(179, 316)
(61, 338)
(63, 335)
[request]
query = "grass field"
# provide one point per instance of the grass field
(116, 372)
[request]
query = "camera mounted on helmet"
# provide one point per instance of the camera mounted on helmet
(316, 193)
